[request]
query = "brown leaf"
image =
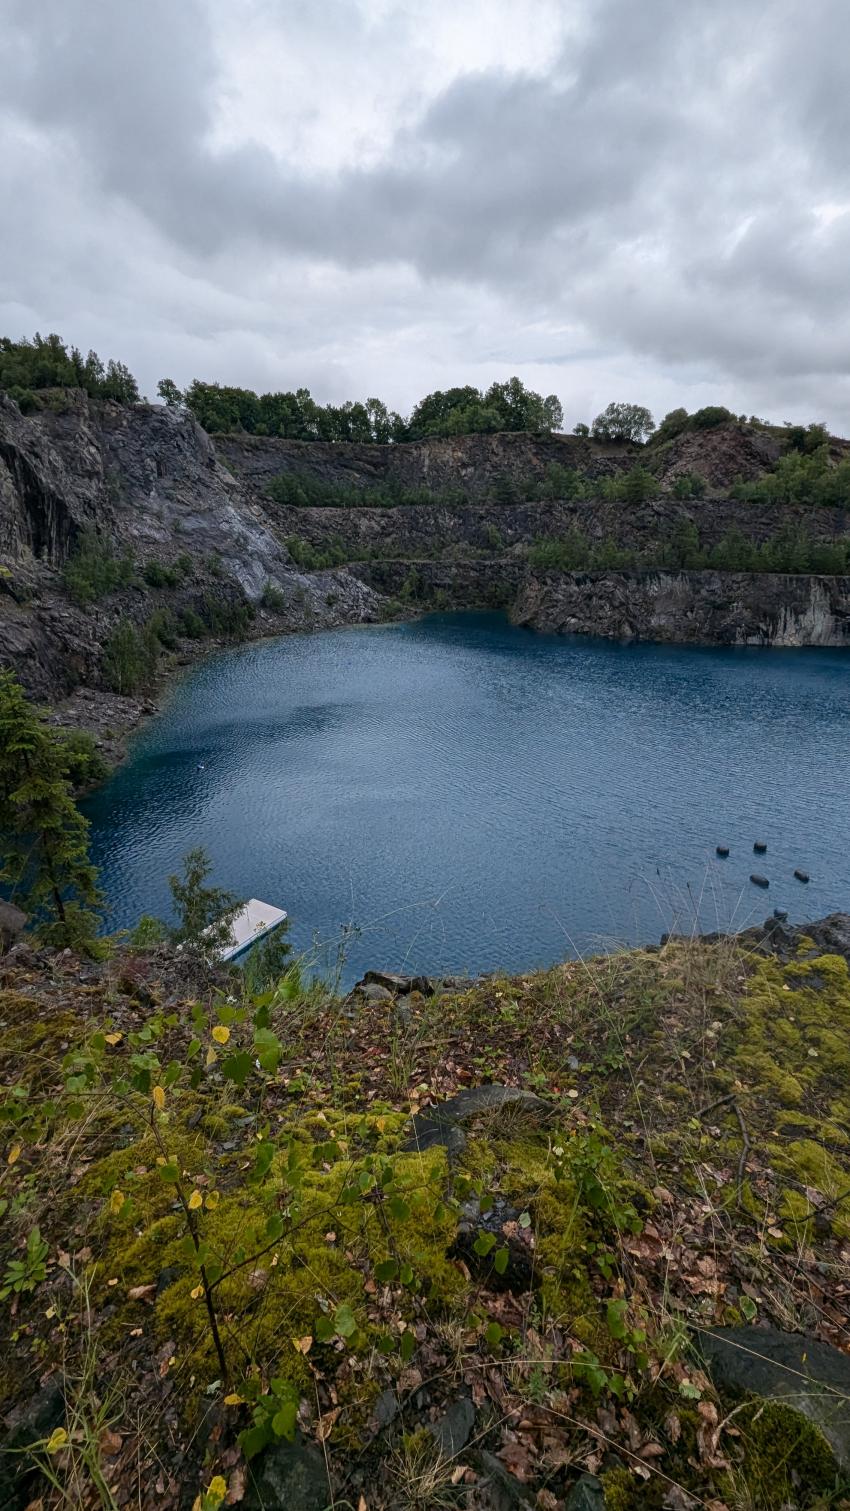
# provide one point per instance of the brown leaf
(110, 1442)
(325, 1424)
(141, 1292)
(236, 1486)
(673, 1426)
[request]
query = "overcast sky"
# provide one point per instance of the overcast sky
(614, 200)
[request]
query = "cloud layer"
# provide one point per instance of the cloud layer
(383, 196)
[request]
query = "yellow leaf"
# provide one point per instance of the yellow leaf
(211, 1056)
(57, 1440)
(158, 1098)
(195, 1201)
(197, 1293)
(14, 1154)
(234, 1400)
(211, 1200)
(218, 1487)
(221, 1034)
(302, 1345)
(113, 1038)
(116, 1201)
(197, 1504)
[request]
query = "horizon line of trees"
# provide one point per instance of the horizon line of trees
(46, 362)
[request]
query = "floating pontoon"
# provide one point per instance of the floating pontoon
(250, 924)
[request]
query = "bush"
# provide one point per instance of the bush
(84, 763)
(801, 478)
(129, 659)
(807, 438)
(689, 485)
(308, 556)
(711, 415)
(273, 598)
(92, 571)
(158, 576)
(192, 625)
(226, 616)
(301, 491)
(676, 422)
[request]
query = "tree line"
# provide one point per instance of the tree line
(296, 416)
(45, 362)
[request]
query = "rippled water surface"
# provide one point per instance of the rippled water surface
(475, 797)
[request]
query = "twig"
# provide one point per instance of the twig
(721, 1102)
(745, 1137)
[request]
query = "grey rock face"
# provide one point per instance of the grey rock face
(812, 1378)
(716, 608)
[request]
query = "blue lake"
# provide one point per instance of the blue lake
(474, 797)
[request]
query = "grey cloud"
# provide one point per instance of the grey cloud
(654, 192)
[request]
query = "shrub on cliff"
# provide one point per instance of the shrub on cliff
(43, 837)
(92, 571)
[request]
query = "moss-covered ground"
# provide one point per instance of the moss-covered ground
(694, 1169)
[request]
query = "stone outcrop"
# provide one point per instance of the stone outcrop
(713, 608)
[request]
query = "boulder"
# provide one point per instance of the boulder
(587, 1494)
(288, 1477)
(453, 1431)
(397, 986)
(802, 1373)
(445, 1124)
(31, 1422)
(12, 924)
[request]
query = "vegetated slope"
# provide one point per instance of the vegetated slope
(128, 538)
(250, 1252)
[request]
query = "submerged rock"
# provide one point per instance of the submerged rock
(801, 1373)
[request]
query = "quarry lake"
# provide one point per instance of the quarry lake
(459, 795)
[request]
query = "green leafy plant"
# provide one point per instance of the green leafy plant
(26, 1273)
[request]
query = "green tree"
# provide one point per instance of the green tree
(204, 913)
(623, 422)
(170, 393)
(43, 837)
(637, 486)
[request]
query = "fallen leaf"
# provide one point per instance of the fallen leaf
(141, 1292)
(158, 1095)
(195, 1201)
(14, 1154)
(325, 1424)
(221, 1034)
(110, 1442)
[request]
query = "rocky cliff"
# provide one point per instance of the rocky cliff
(711, 608)
(148, 483)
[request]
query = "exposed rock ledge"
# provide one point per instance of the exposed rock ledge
(715, 608)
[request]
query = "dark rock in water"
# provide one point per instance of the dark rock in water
(810, 1377)
(760, 847)
(781, 914)
(759, 881)
(587, 1495)
(288, 1477)
(29, 1423)
(453, 1431)
(444, 1124)
(723, 851)
(801, 875)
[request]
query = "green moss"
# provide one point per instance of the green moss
(778, 1442)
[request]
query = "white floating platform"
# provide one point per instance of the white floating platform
(250, 924)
